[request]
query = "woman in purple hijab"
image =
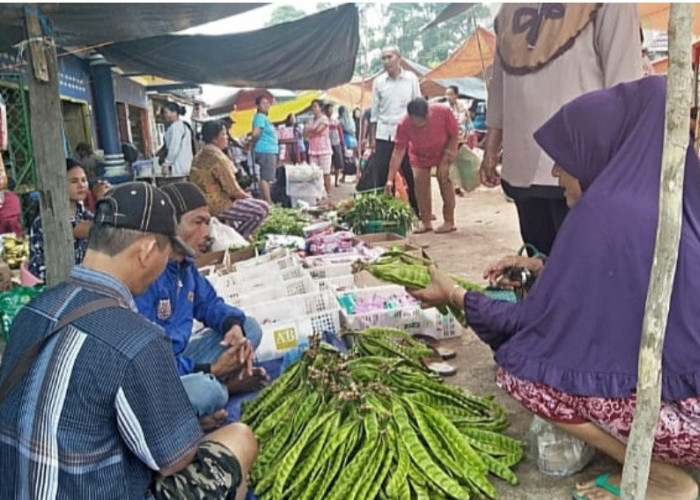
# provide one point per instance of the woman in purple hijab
(569, 351)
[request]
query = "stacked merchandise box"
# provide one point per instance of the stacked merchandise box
(390, 306)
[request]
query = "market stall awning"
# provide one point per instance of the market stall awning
(470, 86)
(277, 114)
(469, 59)
(242, 99)
(654, 16)
(81, 24)
(350, 95)
(315, 52)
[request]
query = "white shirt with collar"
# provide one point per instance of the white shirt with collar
(390, 98)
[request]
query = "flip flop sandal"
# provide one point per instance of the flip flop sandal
(602, 483)
(423, 230)
(444, 352)
(441, 368)
(445, 231)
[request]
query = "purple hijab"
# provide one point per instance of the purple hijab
(579, 329)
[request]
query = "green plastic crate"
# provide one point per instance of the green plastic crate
(383, 226)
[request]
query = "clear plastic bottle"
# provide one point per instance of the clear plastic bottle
(556, 452)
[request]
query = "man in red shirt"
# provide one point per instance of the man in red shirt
(430, 133)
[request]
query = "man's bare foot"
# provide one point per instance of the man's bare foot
(681, 490)
(254, 382)
(445, 228)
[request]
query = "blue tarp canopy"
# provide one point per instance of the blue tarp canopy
(315, 52)
(81, 24)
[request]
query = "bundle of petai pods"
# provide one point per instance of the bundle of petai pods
(374, 424)
(411, 271)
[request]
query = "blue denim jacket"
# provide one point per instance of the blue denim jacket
(178, 297)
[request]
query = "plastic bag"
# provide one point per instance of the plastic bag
(224, 236)
(556, 452)
(465, 169)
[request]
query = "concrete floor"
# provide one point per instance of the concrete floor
(487, 230)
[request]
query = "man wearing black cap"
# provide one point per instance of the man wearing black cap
(91, 404)
(219, 361)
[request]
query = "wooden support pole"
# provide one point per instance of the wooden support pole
(46, 118)
(635, 474)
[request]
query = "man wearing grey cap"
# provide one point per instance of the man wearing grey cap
(91, 405)
(218, 361)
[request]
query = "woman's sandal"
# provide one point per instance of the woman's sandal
(443, 352)
(602, 483)
(423, 230)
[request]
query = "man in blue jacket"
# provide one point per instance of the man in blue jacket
(217, 362)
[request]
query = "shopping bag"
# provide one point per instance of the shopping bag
(224, 236)
(465, 169)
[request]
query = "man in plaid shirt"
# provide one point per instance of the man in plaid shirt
(101, 412)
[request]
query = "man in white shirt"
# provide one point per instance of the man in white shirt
(392, 91)
(179, 145)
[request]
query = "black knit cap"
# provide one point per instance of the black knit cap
(186, 196)
(141, 207)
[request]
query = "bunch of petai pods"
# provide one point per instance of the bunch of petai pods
(411, 271)
(375, 424)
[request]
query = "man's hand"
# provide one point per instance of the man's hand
(389, 189)
(494, 272)
(232, 337)
(443, 169)
(213, 421)
(438, 292)
(165, 170)
(235, 337)
(488, 173)
(233, 359)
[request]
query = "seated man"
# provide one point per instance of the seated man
(91, 405)
(81, 220)
(219, 362)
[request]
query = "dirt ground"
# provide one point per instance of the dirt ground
(488, 229)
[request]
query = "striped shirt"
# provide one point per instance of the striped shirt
(102, 407)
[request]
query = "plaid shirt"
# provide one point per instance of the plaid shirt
(101, 408)
(37, 264)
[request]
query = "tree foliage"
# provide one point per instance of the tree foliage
(402, 26)
(285, 14)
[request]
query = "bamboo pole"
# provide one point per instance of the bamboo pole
(49, 157)
(635, 474)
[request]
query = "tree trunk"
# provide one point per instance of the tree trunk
(46, 126)
(635, 473)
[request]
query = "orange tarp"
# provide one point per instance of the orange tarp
(351, 96)
(467, 59)
(654, 16)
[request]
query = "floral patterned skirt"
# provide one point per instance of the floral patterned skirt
(677, 438)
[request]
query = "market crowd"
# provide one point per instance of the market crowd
(96, 402)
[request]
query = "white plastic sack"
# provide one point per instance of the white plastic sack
(224, 236)
(303, 173)
(465, 169)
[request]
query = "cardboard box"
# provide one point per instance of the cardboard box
(216, 258)
(209, 259)
(382, 239)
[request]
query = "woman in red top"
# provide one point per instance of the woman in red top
(430, 133)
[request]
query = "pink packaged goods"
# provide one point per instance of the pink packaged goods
(323, 244)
